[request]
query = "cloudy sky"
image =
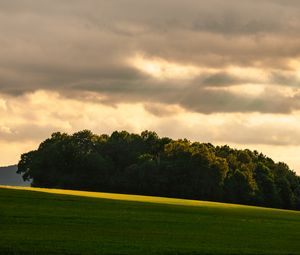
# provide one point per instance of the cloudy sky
(225, 72)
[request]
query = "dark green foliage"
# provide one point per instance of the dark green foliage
(149, 165)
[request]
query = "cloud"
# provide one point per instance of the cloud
(85, 46)
(195, 67)
(23, 128)
(41, 117)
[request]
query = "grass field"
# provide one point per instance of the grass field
(74, 222)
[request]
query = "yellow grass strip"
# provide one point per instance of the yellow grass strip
(140, 198)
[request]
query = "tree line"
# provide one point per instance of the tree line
(149, 165)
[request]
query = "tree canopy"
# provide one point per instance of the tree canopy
(149, 165)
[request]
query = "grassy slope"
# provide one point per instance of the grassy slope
(45, 223)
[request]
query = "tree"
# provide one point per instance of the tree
(150, 165)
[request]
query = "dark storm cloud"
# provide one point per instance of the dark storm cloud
(222, 79)
(210, 101)
(283, 79)
(196, 97)
(84, 46)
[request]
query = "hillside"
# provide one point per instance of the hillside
(102, 223)
(8, 176)
(146, 164)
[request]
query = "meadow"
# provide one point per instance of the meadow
(49, 221)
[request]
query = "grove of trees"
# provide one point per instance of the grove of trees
(149, 165)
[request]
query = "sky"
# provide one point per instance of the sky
(225, 72)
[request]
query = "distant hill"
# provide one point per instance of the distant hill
(8, 176)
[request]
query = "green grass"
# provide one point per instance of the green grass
(99, 223)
